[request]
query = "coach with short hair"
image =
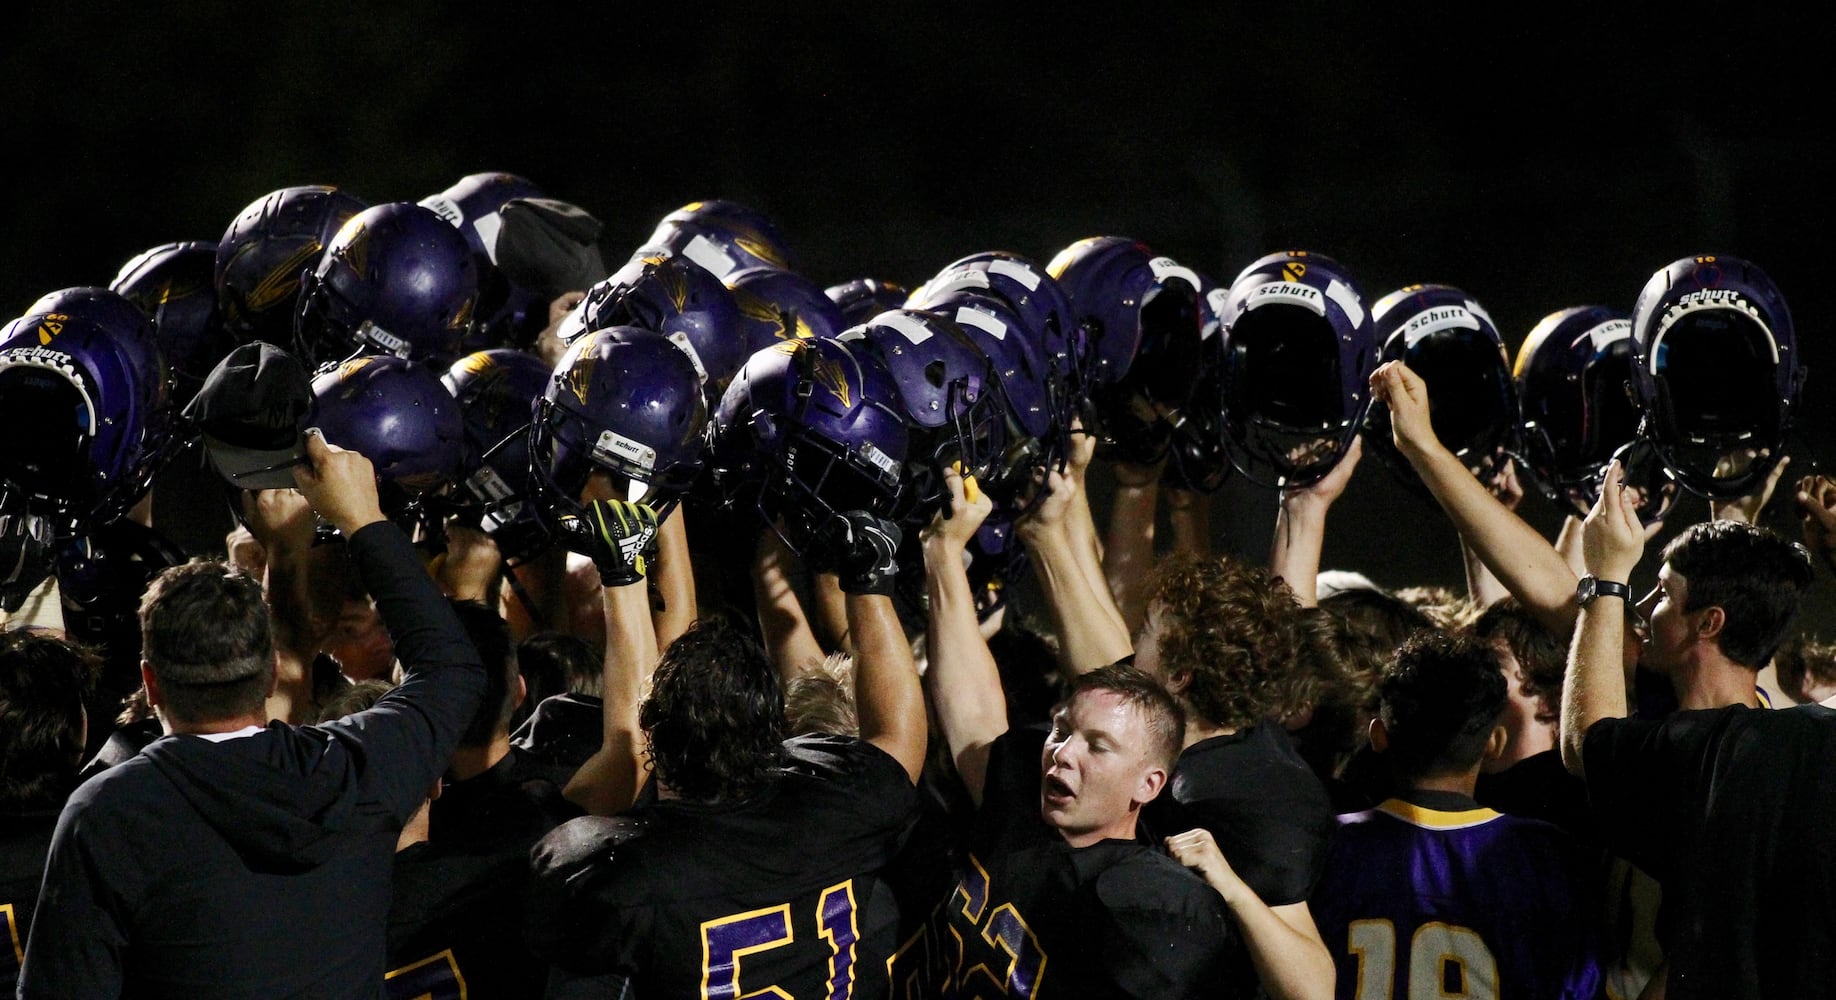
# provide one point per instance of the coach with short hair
(238, 857)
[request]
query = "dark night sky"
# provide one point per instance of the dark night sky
(1539, 158)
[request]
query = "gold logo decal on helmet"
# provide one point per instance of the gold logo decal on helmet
(579, 377)
(828, 374)
(1293, 270)
(50, 326)
(284, 280)
(760, 310)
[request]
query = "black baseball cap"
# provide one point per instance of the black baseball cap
(252, 413)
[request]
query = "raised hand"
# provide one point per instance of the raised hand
(620, 538)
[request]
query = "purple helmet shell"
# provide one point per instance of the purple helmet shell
(1447, 338)
(397, 279)
(724, 237)
(174, 285)
(777, 305)
(262, 255)
(1045, 313)
(474, 205)
(949, 394)
(1717, 372)
(623, 401)
(807, 430)
(496, 391)
(396, 413)
(81, 371)
(673, 297)
(1297, 351)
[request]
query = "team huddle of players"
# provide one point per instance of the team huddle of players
(756, 715)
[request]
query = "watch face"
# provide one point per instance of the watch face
(1584, 591)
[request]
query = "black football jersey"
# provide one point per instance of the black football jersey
(778, 894)
(25, 839)
(1032, 916)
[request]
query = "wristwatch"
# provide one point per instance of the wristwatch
(1591, 587)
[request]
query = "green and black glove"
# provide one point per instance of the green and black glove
(620, 538)
(863, 549)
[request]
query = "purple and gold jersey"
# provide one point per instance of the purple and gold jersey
(1438, 897)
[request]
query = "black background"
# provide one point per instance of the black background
(1538, 156)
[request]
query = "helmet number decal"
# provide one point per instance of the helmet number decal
(711, 257)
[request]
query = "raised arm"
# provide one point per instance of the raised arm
(282, 521)
(674, 578)
(1594, 687)
(1524, 561)
(1090, 629)
(887, 697)
(789, 643)
(964, 685)
(1291, 961)
(1128, 554)
(1300, 528)
(620, 538)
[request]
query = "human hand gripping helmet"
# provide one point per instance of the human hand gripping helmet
(1574, 377)
(496, 391)
(776, 304)
(1298, 352)
(722, 236)
(864, 298)
(625, 402)
(174, 285)
(397, 414)
(810, 429)
(949, 395)
(1142, 315)
(1196, 459)
(262, 255)
(82, 380)
(1446, 337)
(672, 297)
(1717, 372)
(397, 279)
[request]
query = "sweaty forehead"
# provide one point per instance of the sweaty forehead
(1098, 708)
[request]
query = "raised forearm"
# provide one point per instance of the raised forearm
(1090, 631)
(964, 683)
(887, 696)
(1594, 686)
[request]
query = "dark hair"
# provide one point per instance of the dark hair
(44, 679)
(1441, 700)
(1756, 577)
(554, 662)
(1166, 721)
(714, 720)
(1230, 627)
(491, 638)
(1541, 653)
(206, 634)
(356, 697)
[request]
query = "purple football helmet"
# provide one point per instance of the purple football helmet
(864, 298)
(626, 402)
(173, 285)
(1717, 372)
(262, 255)
(777, 305)
(1038, 433)
(810, 429)
(102, 577)
(724, 237)
(1142, 315)
(1036, 299)
(1447, 338)
(497, 390)
(398, 280)
(474, 205)
(1196, 455)
(1297, 353)
(81, 376)
(949, 395)
(397, 414)
(673, 297)
(1574, 377)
